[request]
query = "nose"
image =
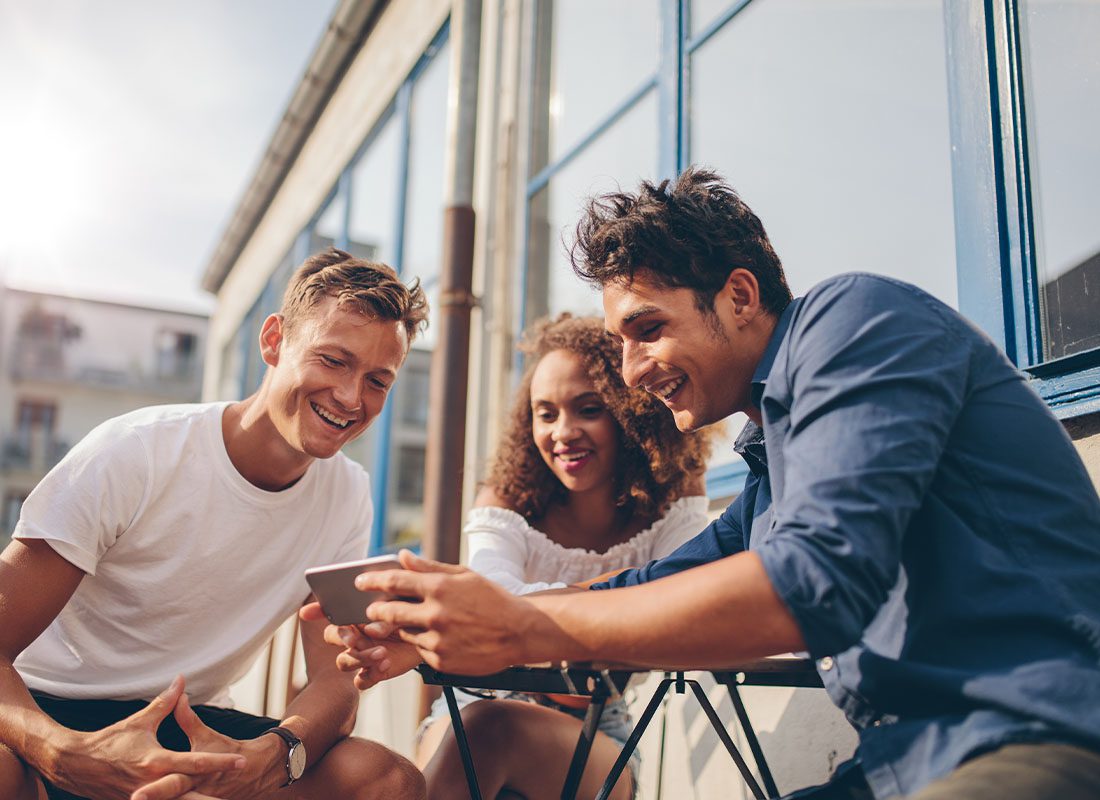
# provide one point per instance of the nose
(635, 363)
(346, 393)
(565, 428)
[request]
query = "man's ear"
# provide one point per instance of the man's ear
(741, 295)
(271, 339)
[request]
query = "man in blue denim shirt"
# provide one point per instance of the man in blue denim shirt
(915, 518)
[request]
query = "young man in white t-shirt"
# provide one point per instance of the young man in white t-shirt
(167, 547)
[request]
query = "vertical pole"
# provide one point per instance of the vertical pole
(445, 455)
(450, 359)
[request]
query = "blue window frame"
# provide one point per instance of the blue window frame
(991, 167)
(392, 141)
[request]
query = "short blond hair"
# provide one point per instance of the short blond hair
(369, 287)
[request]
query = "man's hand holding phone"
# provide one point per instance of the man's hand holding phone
(371, 649)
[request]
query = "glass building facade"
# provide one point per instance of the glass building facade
(949, 144)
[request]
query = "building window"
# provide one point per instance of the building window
(13, 503)
(35, 414)
(40, 341)
(859, 142)
(387, 206)
(1061, 72)
(33, 444)
(410, 474)
(176, 354)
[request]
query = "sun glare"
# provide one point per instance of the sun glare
(42, 186)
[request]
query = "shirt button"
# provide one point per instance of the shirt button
(825, 664)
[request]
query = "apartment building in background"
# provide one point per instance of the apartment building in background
(69, 363)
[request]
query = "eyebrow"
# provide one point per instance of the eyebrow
(342, 351)
(350, 357)
(584, 396)
(638, 313)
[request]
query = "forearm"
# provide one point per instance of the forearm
(25, 728)
(715, 615)
(323, 713)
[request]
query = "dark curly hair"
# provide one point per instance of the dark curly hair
(656, 461)
(688, 233)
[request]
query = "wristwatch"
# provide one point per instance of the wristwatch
(295, 758)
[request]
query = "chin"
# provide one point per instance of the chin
(685, 421)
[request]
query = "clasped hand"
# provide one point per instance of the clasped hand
(124, 761)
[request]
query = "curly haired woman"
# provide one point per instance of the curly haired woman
(589, 477)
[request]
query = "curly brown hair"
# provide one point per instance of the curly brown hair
(691, 232)
(656, 461)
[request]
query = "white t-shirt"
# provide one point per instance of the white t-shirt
(503, 547)
(190, 568)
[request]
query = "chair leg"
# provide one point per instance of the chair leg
(635, 737)
(750, 734)
(584, 746)
(723, 734)
(463, 744)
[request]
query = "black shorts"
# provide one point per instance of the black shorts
(93, 715)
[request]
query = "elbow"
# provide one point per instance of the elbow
(832, 626)
(832, 603)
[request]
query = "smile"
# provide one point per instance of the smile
(330, 418)
(573, 460)
(666, 390)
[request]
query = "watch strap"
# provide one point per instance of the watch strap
(292, 742)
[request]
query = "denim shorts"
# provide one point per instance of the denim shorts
(615, 720)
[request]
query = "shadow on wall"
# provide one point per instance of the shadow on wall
(803, 735)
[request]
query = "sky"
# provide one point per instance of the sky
(130, 129)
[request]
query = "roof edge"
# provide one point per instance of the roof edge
(346, 31)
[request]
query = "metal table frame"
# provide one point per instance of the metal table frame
(601, 683)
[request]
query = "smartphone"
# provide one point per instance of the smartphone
(334, 586)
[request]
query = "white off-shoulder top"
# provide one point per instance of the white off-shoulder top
(503, 547)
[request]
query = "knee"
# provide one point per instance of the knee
(17, 780)
(369, 771)
(399, 779)
(489, 723)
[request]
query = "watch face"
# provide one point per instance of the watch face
(296, 761)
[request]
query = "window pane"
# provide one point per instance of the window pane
(424, 210)
(622, 157)
(423, 238)
(831, 121)
(600, 51)
(704, 12)
(409, 437)
(1062, 92)
(329, 229)
(374, 197)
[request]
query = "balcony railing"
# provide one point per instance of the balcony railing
(31, 451)
(184, 383)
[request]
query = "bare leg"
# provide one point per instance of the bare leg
(355, 769)
(523, 749)
(430, 741)
(17, 780)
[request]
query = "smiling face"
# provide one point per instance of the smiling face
(699, 364)
(329, 375)
(572, 428)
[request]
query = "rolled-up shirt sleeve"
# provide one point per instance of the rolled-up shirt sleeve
(720, 538)
(871, 382)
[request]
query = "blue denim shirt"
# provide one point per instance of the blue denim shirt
(929, 525)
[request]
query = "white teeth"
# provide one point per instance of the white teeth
(667, 390)
(570, 457)
(335, 420)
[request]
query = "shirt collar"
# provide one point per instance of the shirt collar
(764, 368)
(750, 446)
